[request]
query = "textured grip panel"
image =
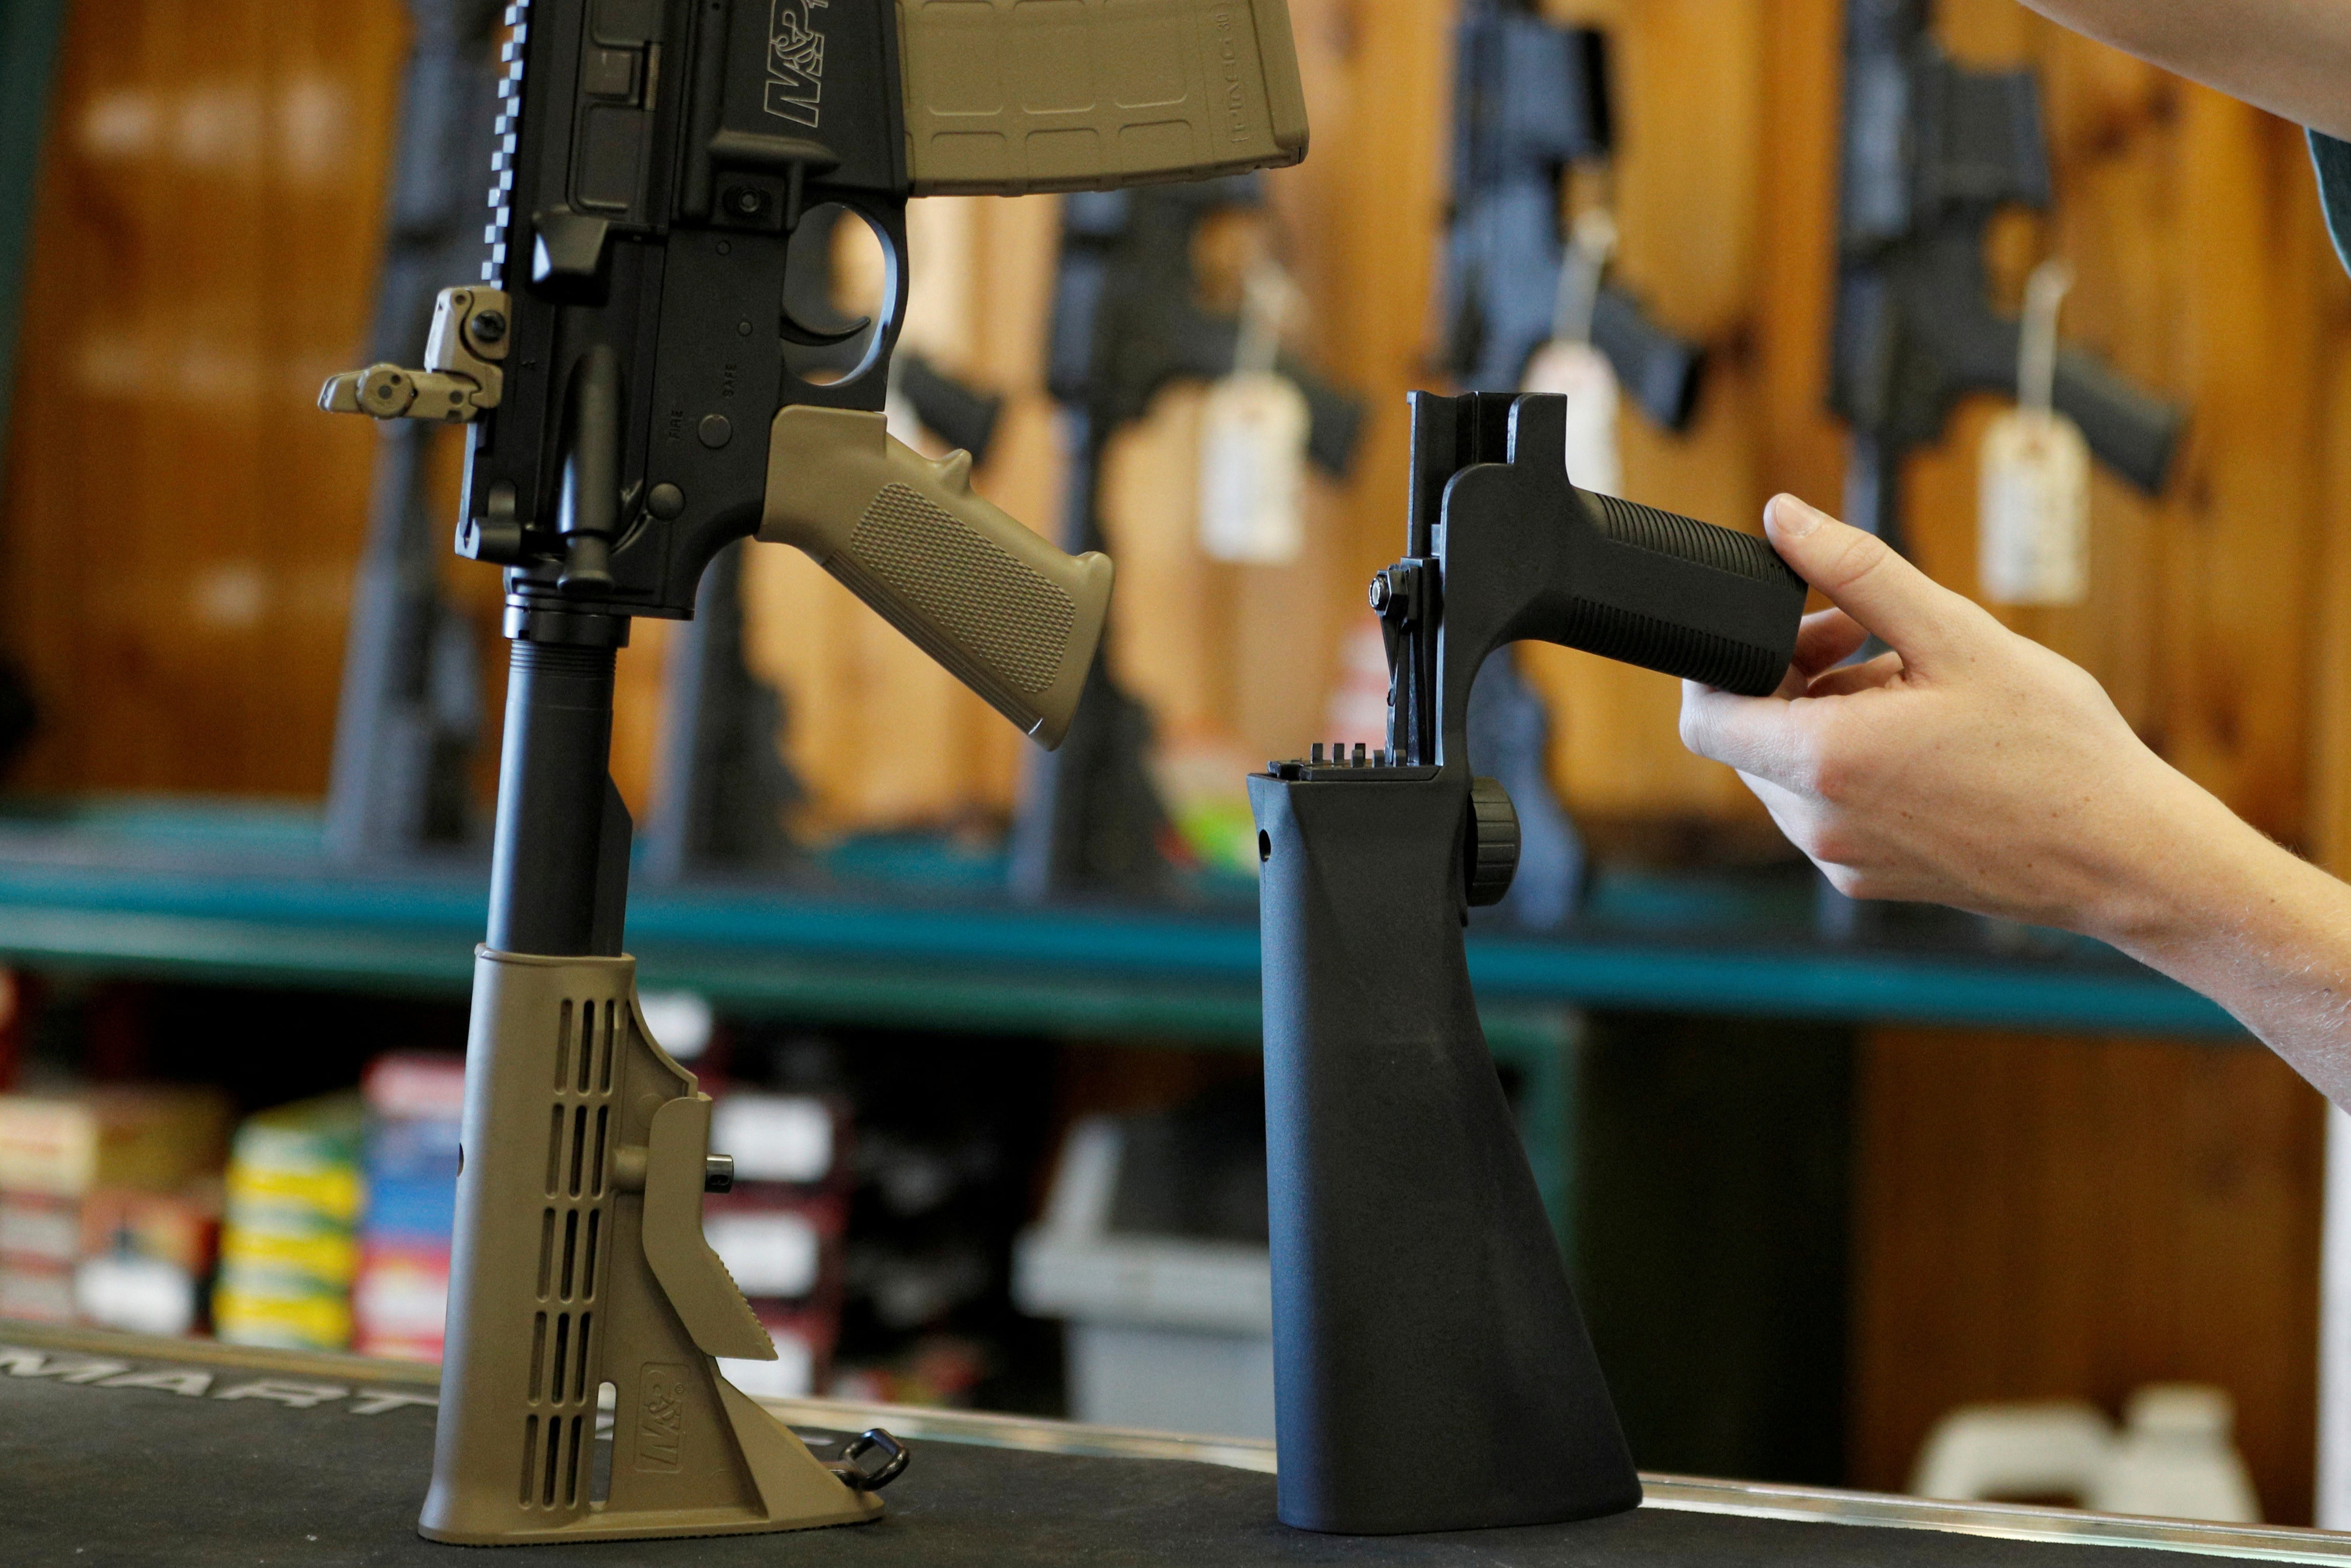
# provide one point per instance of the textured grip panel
(1686, 598)
(1015, 624)
(996, 626)
(1686, 539)
(1615, 632)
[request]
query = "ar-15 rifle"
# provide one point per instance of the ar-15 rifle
(410, 715)
(1417, 1286)
(1127, 321)
(1931, 151)
(631, 366)
(1529, 98)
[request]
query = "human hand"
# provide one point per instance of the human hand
(1967, 766)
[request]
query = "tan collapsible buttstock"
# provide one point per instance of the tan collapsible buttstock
(1004, 97)
(1011, 617)
(580, 1261)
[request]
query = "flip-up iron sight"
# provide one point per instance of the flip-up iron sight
(1388, 1137)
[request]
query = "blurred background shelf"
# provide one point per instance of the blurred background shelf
(910, 933)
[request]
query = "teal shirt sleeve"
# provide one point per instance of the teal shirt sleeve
(2333, 161)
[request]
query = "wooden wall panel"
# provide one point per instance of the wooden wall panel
(2067, 1217)
(206, 234)
(2046, 1217)
(181, 523)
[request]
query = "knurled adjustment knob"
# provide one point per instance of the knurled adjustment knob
(1492, 850)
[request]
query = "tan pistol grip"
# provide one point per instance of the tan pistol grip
(1010, 616)
(1004, 97)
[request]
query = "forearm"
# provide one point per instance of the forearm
(2258, 929)
(2292, 58)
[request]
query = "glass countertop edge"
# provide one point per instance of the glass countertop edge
(2010, 1522)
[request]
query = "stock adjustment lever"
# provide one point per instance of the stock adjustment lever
(461, 377)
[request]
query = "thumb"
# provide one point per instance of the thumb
(1866, 577)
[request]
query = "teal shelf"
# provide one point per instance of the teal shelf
(240, 893)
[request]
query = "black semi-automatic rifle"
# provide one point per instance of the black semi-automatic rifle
(1932, 150)
(1529, 100)
(1417, 1285)
(1127, 321)
(639, 388)
(410, 715)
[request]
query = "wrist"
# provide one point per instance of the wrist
(2166, 848)
(2182, 870)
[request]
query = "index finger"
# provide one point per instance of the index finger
(1767, 736)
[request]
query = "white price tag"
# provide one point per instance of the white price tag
(2034, 533)
(1253, 427)
(1582, 374)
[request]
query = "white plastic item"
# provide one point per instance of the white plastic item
(1582, 374)
(771, 1253)
(774, 1137)
(681, 1021)
(791, 1376)
(1571, 367)
(1162, 1332)
(2044, 1448)
(2032, 535)
(2172, 1459)
(140, 1295)
(2175, 1458)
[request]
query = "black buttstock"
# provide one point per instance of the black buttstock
(2133, 431)
(958, 415)
(1431, 1368)
(1657, 370)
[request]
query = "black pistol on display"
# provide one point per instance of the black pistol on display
(1932, 150)
(643, 394)
(1417, 1285)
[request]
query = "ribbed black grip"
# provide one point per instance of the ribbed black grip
(1686, 598)
(1670, 533)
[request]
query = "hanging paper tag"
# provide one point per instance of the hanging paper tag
(1253, 427)
(1582, 374)
(2033, 536)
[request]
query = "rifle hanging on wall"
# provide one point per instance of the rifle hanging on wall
(409, 718)
(1531, 100)
(1127, 321)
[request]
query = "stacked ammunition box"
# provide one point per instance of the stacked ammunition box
(780, 1231)
(109, 1204)
(289, 1242)
(415, 1104)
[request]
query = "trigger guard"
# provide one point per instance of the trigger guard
(797, 331)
